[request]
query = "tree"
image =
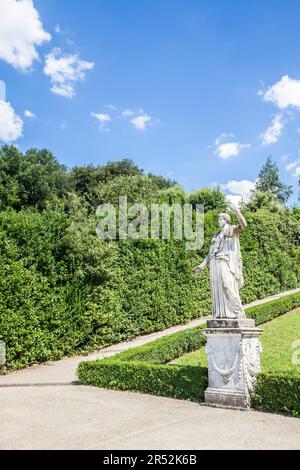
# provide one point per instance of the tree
(162, 182)
(138, 189)
(210, 198)
(269, 182)
(30, 180)
(173, 195)
(264, 200)
(86, 180)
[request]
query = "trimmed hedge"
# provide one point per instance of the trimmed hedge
(278, 392)
(270, 310)
(145, 368)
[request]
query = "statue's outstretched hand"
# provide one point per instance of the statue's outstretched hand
(198, 269)
(232, 207)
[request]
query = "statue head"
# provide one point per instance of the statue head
(224, 219)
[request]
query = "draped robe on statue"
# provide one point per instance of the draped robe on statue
(226, 273)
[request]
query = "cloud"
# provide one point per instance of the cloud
(112, 107)
(285, 93)
(240, 188)
(64, 71)
(272, 134)
(140, 122)
(223, 136)
(227, 150)
(29, 114)
(128, 113)
(235, 199)
(230, 149)
(11, 125)
(21, 31)
(296, 172)
(57, 29)
(139, 119)
(294, 167)
(103, 119)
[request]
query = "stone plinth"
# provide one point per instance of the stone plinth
(233, 351)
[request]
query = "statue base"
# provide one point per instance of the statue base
(233, 351)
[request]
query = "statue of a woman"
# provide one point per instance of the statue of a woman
(225, 263)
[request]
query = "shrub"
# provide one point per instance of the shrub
(270, 310)
(278, 392)
(145, 369)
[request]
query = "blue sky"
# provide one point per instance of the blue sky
(199, 91)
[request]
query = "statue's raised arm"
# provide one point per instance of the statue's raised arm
(242, 224)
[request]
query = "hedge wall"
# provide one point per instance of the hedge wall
(64, 291)
(145, 369)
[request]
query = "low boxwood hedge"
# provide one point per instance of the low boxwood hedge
(146, 368)
(278, 392)
(268, 311)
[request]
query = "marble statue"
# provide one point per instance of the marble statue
(225, 263)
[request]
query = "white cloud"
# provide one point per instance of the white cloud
(223, 136)
(29, 114)
(292, 165)
(230, 149)
(284, 158)
(272, 134)
(235, 199)
(64, 71)
(285, 93)
(240, 188)
(112, 107)
(139, 119)
(128, 113)
(57, 29)
(140, 122)
(11, 125)
(296, 172)
(21, 31)
(103, 119)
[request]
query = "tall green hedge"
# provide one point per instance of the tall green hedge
(62, 290)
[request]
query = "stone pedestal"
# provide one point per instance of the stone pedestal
(233, 351)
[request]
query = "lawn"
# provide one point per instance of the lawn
(277, 342)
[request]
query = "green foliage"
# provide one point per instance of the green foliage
(86, 180)
(138, 189)
(145, 369)
(173, 195)
(278, 392)
(269, 182)
(30, 180)
(62, 290)
(270, 310)
(211, 199)
(264, 200)
(161, 182)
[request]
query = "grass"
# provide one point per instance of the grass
(277, 342)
